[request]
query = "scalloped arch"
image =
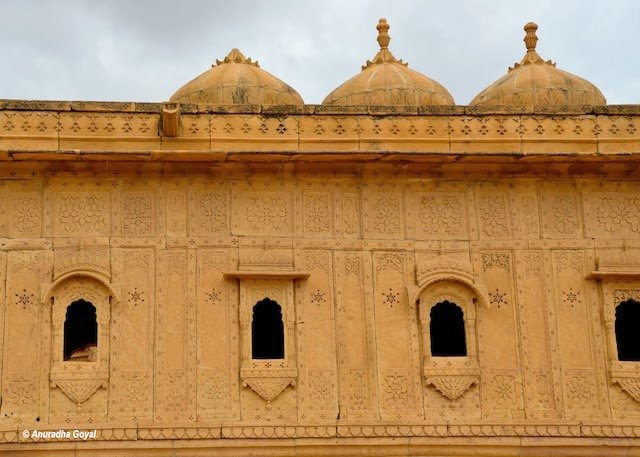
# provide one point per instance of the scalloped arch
(444, 269)
(48, 289)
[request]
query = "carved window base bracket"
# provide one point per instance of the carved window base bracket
(629, 382)
(268, 385)
(452, 384)
(79, 387)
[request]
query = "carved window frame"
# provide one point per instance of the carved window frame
(268, 378)
(625, 373)
(451, 376)
(80, 380)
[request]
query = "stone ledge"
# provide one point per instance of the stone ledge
(457, 110)
(332, 431)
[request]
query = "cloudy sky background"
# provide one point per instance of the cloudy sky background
(144, 50)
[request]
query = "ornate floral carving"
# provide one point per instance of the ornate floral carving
(24, 299)
(357, 387)
(503, 390)
(136, 297)
(24, 217)
(20, 393)
(564, 212)
(581, 393)
(317, 213)
(498, 298)
(495, 260)
(569, 260)
(493, 215)
(213, 297)
(386, 215)
(128, 392)
(352, 265)
(136, 214)
(351, 214)
(571, 297)
(620, 295)
(266, 213)
(212, 208)
(321, 388)
(318, 298)
(452, 386)
(389, 261)
(441, 215)
(212, 388)
(82, 214)
(532, 262)
(616, 214)
(396, 390)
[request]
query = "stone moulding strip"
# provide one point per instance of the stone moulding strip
(337, 432)
(598, 274)
(266, 274)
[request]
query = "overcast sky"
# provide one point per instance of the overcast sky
(144, 50)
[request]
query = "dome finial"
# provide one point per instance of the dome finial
(383, 55)
(383, 36)
(531, 38)
(530, 41)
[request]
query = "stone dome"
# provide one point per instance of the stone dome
(537, 83)
(388, 81)
(237, 80)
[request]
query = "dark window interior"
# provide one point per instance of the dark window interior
(628, 330)
(80, 332)
(447, 331)
(267, 331)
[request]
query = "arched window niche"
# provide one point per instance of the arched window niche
(267, 331)
(267, 334)
(617, 278)
(446, 305)
(81, 305)
(621, 313)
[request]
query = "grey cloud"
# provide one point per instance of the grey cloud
(144, 50)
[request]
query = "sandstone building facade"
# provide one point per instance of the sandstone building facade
(388, 274)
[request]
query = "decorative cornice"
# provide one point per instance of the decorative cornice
(621, 265)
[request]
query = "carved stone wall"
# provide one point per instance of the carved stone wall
(168, 238)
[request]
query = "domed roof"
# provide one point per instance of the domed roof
(536, 83)
(388, 81)
(237, 80)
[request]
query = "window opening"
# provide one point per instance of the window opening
(267, 331)
(447, 331)
(80, 332)
(627, 334)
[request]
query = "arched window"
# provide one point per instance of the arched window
(447, 331)
(627, 330)
(80, 332)
(267, 331)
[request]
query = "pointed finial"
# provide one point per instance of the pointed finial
(383, 55)
(531, 38)
(383, 36)
(530, 41)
